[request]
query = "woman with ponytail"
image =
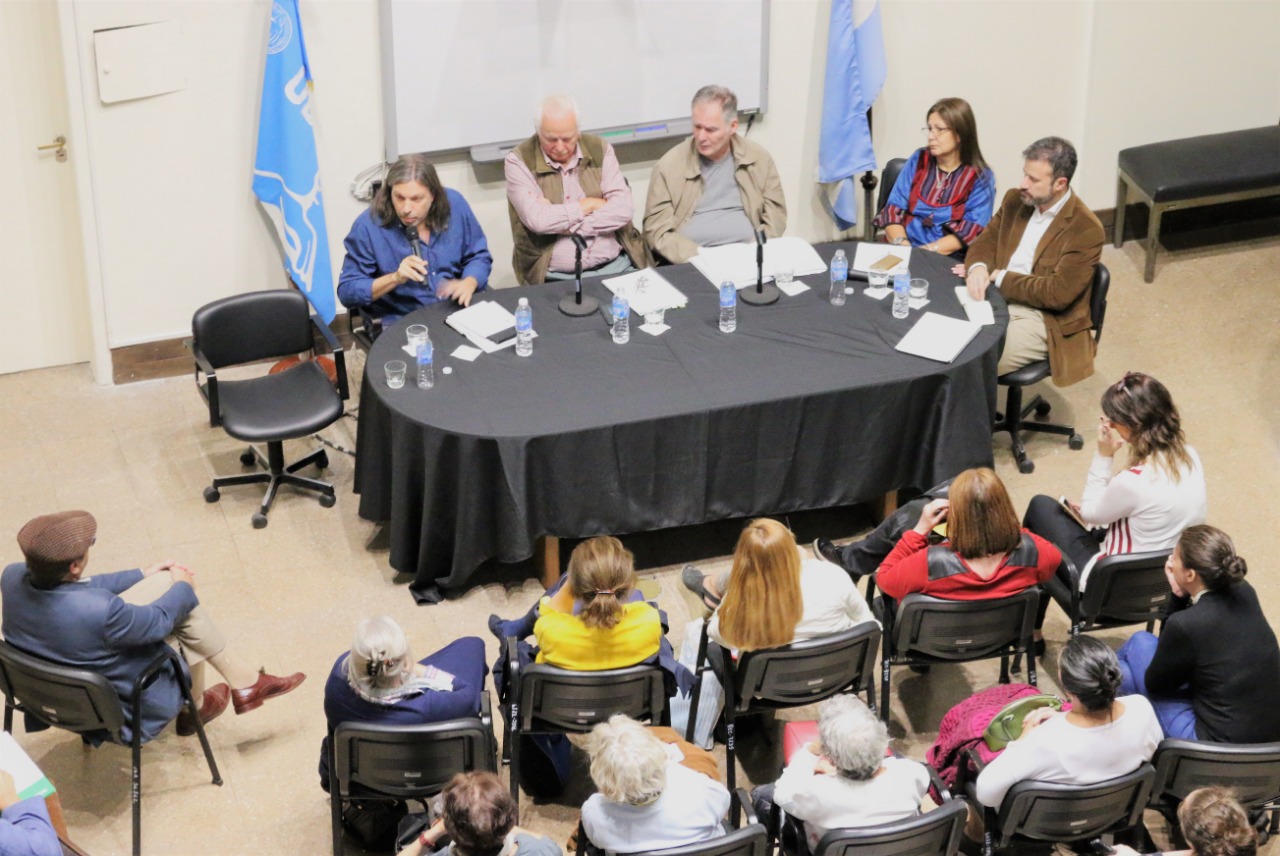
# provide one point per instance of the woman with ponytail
(1214, 672)
(1100, 737)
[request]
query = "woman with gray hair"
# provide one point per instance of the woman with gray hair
(378, 681)
(647, 799)
(844, 779)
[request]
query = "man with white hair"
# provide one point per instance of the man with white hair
(562, 183)
(715, 188)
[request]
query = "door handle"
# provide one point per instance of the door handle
(59, 145)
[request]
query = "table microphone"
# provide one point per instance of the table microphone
(760, 296)
(576, 304)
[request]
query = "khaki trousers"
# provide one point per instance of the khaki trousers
(1025, 341)
(195, 637)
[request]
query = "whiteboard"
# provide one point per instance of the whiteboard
(467, 74)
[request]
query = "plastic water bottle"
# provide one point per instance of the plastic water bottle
(839, 274)
(901, 294)
(426, 371)
(728, 307)
(621, 319)
(524, 328)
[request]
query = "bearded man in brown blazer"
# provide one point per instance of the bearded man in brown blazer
(1040, 250)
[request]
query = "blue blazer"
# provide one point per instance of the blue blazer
(85, 625)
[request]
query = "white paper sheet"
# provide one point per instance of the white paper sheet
(877, 293)
(791, 289)
(28, 780)
(466, 352)
(938, 337)
(482, 319)
(979, 311)
(655, 329)
(868, 254)
(737, 262)
(657, 294)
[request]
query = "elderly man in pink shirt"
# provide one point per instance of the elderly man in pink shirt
(562, 183)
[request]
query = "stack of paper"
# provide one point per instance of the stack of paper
(979, 311)
(938, 337)
(656, 293)
(869, 254)
(479, 321)
(27, 778)
(737, 262)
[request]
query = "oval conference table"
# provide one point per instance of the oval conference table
(807, 405)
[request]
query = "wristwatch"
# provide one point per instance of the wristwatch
(897, 241)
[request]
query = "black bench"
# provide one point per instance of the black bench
(1196, 171)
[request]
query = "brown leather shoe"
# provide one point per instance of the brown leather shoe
(212, 704)
(267, 686)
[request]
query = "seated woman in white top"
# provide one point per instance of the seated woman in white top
(1139, 509)
(647, 800)
(1101, 737)
(844, 779)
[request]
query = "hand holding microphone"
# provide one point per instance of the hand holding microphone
(413, 267)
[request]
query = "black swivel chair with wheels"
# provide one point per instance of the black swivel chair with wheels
(1015, 413)
(286, 405)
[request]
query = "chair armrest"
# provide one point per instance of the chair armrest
(339, 358)
(511, 654)
(944, 793)
(369, 328)
(743, 799)
(580, 839)
(210, 390)
(486, 709)
(978, 764)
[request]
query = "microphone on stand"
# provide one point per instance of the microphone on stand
(576, 304)
(763, 294)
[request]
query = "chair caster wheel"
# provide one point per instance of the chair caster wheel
(1026, 466)
(1042, 409)
(326, 501)
(259, 521)
(1075, 441)
(211, 494)
(322, 462)
(247, 457)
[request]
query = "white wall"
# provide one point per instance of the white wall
(179, 226)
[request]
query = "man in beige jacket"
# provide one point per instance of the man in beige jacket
(715, 188)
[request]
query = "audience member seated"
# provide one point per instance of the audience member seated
(478, 818)
(773, 594)
(562, 184)
(377, 681)
(116, 624)
(25, 827)
(1140, 509)
(943, 197)
(1214, 673)
(986, 554)
(384, 274)
(715, 188)
(648, 799)
(1214, 824)
(844, 779)
(1100, 737)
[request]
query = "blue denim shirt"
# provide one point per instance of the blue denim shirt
(374, 250)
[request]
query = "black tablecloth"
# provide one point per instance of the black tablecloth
(806, 405)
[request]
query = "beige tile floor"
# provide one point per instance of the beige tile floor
(288, 596)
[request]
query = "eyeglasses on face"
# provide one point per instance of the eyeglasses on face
(934, 130)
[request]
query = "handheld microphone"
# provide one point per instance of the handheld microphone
(411, 232)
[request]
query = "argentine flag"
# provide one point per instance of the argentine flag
(855, 75)
(286, 173)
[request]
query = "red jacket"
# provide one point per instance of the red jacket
(906, 570)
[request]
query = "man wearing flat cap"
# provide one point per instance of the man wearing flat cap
(114, 624)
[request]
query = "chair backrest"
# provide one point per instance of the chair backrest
(1098, 299)
(553, 699)
(1053, 812)
(807, 671)
(254, 326)
(1129, 588)
(887, 179)
(409, 761)
(74, 699)
(963, 629)
(750, 840)
(1251, 771)
(934, 833)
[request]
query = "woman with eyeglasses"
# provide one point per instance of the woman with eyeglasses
(1141, 508)
(943, 197)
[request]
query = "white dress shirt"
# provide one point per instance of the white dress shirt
(1025, 255)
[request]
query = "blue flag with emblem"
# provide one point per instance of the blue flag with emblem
(855, 75)
(286, 172)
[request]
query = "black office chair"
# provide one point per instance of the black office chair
(888, 177)
(1040, 811)
(1125, 589)
(793, 675)
(752, 839)
(542, 699)
(402, 762)
(934, 833)
(364, 327)
(85, 702)
(296, 402)
(928, 631)
(1250, 771)
(1015, 414)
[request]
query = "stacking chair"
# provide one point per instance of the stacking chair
(928, 631)
(934, 833)
(793, 675)
(398, 762)
(296, 402)
(1015, 413)
(752, 839)
(1250, 771)
(84, 702)
(888, 177)
(542, 699)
